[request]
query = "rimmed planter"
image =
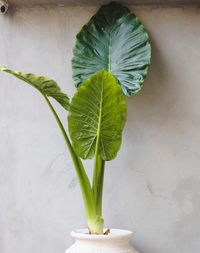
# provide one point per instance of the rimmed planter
(117, 241)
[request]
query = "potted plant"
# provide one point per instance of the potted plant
(110, 61)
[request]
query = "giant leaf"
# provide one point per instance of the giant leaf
(114, 40)
(46, 86)
(97, 114)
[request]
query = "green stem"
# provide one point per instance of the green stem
(99, 165)
(95, 176)
(100, 178)
(95, 222)
(73, 155)
(97, 160)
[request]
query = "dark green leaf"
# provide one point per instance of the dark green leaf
(97, 113)
(45, 85)
(114, 40)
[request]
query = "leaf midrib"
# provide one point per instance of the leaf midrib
(100, 114)
(109, 54)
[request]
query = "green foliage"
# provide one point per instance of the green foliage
(111, 57)
(114, 40)
(97, 114)
(46, 86)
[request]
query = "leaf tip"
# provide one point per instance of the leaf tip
(2, 68)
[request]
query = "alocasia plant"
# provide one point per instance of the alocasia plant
(110, 60)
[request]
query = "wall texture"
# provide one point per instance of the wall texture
(152, 187)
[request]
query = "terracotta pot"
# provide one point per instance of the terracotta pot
(117, 241)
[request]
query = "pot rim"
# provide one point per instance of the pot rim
(114, 233)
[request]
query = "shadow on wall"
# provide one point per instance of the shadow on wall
(154, 102)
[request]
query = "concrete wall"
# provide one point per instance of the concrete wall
(152, 187)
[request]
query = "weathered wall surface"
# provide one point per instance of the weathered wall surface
(152, 187)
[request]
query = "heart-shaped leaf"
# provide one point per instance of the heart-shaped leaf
(97, 115)
(45, 85)
(114, 40)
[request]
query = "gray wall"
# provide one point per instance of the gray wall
(152, 187)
